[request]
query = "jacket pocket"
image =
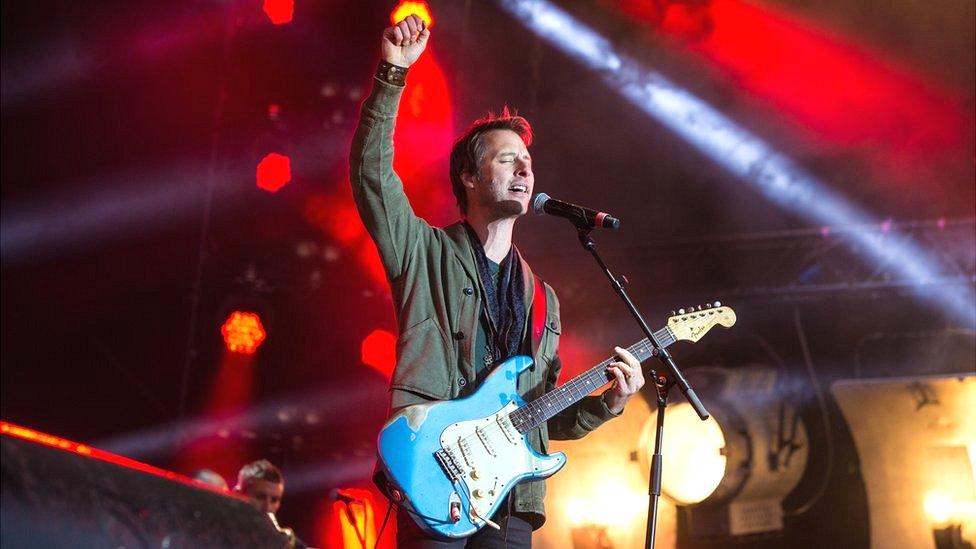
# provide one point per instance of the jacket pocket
(424, 363)
(550, 338)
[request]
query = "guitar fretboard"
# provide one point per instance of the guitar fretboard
(548, 405)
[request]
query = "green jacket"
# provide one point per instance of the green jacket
(437, 297)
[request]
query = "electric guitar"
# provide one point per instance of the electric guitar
(453, 462)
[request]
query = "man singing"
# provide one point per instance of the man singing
(463, 294)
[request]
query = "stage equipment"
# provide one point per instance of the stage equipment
(246, 315)
(243, 332)
(273, 172)
(545, 204)
(408, 7)
(916, 441)
(730, 474)
(58, 493)
(662, 379)
(279, 12)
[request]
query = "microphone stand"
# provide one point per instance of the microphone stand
(672, 376)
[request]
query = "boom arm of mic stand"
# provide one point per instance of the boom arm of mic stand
(660, 352)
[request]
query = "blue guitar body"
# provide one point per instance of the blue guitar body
(455, 461)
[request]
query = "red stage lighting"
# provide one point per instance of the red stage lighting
(274, 172)
(243, 332)
(379, 351)
(279, 11)
(405, 8)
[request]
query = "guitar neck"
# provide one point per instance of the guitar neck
(548, 405)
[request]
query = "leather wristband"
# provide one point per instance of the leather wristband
(392, 74)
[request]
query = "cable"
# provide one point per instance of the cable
(386, 518)
(822, 404)
(205, 214)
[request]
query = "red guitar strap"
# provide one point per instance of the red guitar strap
(538, 314)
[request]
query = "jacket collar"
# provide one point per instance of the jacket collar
(465, 255)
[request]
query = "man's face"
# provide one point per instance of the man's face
(265, 495)
(504, 182)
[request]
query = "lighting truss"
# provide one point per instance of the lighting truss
(748, 157)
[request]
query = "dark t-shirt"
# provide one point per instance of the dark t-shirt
(482, 352)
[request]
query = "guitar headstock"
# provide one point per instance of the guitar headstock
(693, 323)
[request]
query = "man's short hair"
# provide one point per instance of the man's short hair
(211, 477)
(261, 469)
(468, 151)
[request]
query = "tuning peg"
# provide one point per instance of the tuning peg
(672, 312)
(681, 311)
(708, 305)
(718, 303)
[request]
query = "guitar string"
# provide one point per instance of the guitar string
(581, 383)
(569, 386)
(663, 335)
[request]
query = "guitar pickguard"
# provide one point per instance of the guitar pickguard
(491, 453)
(462, 454)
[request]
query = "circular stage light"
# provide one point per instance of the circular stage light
(695, 451)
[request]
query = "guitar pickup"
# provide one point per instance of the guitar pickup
(485, 442)
(506, 426)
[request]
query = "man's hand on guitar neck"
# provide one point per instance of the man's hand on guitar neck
(404, 42)
(629, 378)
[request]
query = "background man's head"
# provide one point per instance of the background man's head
(263, 485)
(208, 476)
(468, 153)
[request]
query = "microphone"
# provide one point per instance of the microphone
(338, 494)
(545, 204)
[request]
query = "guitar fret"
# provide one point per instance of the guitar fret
(548, 405)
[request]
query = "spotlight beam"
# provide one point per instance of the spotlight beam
(751, 159)
(157, 441)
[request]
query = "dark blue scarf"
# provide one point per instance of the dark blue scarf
(503, 305)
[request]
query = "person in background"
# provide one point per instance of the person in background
(264, 486)
(210, 477)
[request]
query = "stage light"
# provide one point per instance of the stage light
(274, 172)
(405, 8)
(378, 351)
(611, 503)
(939, 508)
(695, 455)
(729, 475)
(243, 332)
(915, 440)
(279, 12)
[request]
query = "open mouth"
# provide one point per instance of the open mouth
(519, 188)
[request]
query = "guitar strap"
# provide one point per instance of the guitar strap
(539, 314)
